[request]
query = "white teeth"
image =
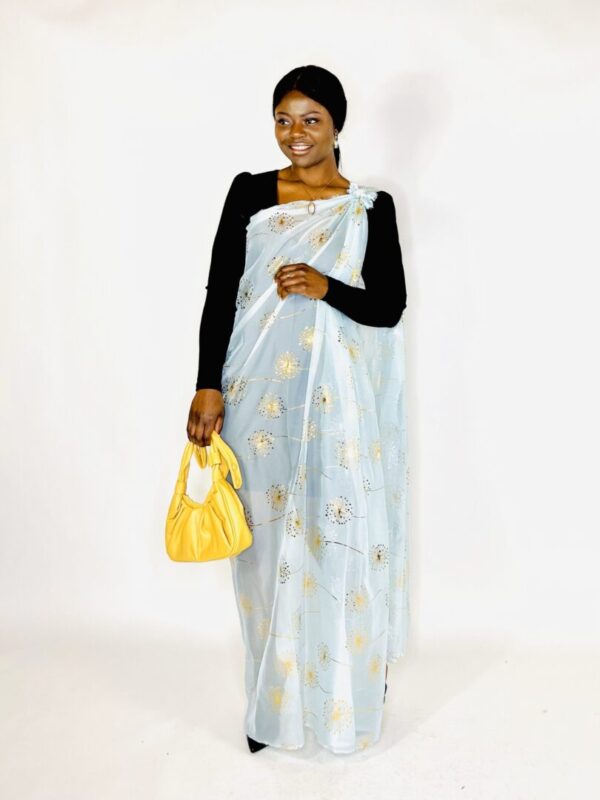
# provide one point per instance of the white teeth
(300, 146)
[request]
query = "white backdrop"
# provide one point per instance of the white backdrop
(122, 124)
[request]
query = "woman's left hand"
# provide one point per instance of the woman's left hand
(301, 279)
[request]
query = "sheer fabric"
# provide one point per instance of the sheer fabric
(315, 412)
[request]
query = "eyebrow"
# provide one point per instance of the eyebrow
(302, 115)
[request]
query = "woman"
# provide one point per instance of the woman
(301, 339)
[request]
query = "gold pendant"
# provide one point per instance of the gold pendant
(311, 207)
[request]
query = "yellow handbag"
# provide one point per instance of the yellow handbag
(217, 527)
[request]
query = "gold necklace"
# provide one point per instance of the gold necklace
(311, 205)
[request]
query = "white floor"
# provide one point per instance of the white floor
(105, 716)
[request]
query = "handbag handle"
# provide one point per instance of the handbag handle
(221, 454)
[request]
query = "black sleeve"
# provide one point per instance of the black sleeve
(383, 299)
(226, 268)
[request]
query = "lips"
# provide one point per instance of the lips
(299, 149)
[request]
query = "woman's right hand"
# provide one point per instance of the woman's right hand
(206, 413)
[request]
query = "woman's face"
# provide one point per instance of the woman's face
(300, 120)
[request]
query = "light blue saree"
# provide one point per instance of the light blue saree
(315, 412)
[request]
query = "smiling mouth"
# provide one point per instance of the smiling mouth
(299, 149)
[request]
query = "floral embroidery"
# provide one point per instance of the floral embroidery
(277, 496)
(306, 337)
(316, 542)
(379, 557)
(357, 599)
(281, 222)
(261, 442)
(310, 676)
(322, 397)
(319, 238)
(347, 453)
(245, 292)
(234, 390)
(339, 510)
(271, 405)
(293, 523)
(357, 640)
(287, 365)
(278, 698)
(267, 319)
(337, 714)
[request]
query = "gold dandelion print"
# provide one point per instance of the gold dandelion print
(339, 209)
(271, 405)
(339, 510)
(293, 523)
(347, 453)
(287, 664)
(353, 350)
(245, 293)
(285, 571)
(310, 430)
(277, 496)
(375, 450)
(281, 222)
(311, 677)
(261, 442)
(278, 698)
(337, 714)
(234, 390)
(357, 641)
(316, 543)
(358, 213)
(364, 741)
(319, 238)
(287, 365)
(306, 337)
(267, 320)
(309, 584)
(374, 666)
(301, 477)
(355, 276)
(276, 263)
(342, 258)
(324, 656)
(322, 398)
(378, 556)
(245, 604)
(249, 519)
(263, 627)
(357, 600)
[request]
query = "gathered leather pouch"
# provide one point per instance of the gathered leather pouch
(217, 527)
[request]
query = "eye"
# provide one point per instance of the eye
(316, 119)
(281, 119)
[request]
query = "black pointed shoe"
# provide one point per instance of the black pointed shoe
(254, 745)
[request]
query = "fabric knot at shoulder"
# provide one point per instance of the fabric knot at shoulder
(363, 193)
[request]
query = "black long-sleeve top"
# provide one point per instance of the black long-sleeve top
(380, 303)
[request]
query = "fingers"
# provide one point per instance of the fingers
(199, 429)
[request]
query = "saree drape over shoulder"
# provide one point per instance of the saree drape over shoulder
(315, 412)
